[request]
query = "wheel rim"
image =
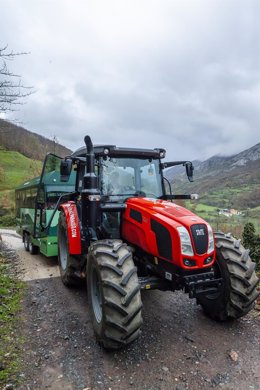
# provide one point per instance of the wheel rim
(96, 295)
(63, 250)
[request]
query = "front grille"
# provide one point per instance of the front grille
(200, 238)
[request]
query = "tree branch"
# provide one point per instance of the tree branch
(11, 93)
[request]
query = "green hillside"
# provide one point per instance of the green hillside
(231, 183)
(29, 144)
(14, 169)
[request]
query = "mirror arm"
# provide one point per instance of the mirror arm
(173, 164)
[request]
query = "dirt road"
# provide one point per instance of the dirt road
(179, 347)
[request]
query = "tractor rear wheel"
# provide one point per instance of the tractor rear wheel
(113, 293)
(68, 264)
(239, 288)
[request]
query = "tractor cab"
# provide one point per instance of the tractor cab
(123, 172)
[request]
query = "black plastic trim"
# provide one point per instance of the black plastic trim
(136, 215)
(163, 239)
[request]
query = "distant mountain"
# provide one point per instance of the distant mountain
(218, 163)
(31, 145)
(232, 181)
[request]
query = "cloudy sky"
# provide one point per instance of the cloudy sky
(178, 74)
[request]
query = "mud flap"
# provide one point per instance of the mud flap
(73, 226)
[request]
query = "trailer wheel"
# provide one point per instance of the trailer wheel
(26, 241)
(68, 264)
(113, 294)
(33, 249)
(239, 289)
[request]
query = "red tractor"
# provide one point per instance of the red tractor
(123, 233)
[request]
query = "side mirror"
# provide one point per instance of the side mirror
(189, 170)
(65, 169)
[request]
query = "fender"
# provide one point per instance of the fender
(72, 219)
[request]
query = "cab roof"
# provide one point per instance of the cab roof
(115, 151)
(50, 179)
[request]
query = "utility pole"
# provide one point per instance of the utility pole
(55, 141)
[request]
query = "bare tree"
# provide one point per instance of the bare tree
(12, 91)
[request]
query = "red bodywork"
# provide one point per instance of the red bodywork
(136, 229)
(73, 226)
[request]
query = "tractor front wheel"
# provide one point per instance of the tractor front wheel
(239, 281)
(113, 293)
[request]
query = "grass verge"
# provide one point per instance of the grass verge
(11, 294)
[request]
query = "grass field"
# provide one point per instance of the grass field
(232, 197)
(16, 168)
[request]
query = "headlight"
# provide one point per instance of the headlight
(186, 246)
(211, 239)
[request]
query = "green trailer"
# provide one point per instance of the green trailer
(37, 207)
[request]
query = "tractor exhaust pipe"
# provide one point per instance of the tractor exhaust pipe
(90, 195)
(90, 154)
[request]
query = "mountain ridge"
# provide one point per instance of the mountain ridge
(217, 162)
(239, 159)
(223, 181)
(30, 144)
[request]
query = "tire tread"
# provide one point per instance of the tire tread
(239, 278)
(122, 306)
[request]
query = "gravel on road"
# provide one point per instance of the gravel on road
(179, 348)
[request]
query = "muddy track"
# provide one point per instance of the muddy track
(179, 347)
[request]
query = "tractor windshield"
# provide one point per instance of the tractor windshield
(125, 177)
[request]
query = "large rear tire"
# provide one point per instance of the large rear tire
(113, 293)
(239, 288)
(69, 265)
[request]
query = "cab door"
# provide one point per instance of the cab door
(50, 170)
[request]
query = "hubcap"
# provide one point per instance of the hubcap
(96, 296)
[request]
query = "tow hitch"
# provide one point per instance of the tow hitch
(202, 284)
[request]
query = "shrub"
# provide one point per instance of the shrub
(7, 221)
(251, 241)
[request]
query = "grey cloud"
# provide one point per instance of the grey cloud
(182, 75)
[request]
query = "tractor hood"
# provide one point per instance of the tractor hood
(157, 207)
(154, 226)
